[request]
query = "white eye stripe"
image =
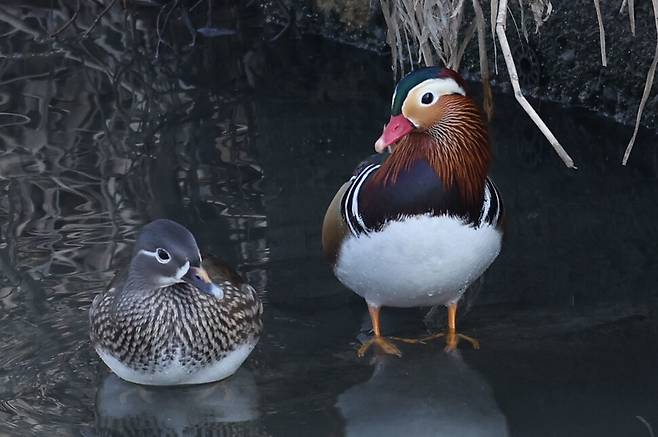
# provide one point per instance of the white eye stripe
(147, 253)
(156, 255)
(437, 87)
(183, 270)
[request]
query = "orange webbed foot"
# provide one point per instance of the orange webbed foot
(382, 343)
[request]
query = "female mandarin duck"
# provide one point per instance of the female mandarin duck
(166, 322)
(418, 226)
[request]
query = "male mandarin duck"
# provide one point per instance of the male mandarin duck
(166, 322)
(416, 226)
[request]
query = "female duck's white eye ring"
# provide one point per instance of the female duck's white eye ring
(162, 256)
(427, 99)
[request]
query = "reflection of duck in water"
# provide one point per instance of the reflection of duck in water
(430, 394)
(221, 408)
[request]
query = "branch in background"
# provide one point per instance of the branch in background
(68, 23)
(597, 6)
(487, 99)
(103, 12)
(457, 57)
(494, 16)
(524, 28)
(647, 88)
(393, 36)
(514, 78)
(631, 12)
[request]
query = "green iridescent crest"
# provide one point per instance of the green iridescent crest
(408, 82)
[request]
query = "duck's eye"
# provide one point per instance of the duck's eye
(162, 256)
(427, 98)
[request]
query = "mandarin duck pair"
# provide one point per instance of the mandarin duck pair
(414, 226)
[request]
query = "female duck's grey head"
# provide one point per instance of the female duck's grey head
(166, 253)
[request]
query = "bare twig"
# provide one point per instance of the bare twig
(68, 23)
(459, 54)
(98, 18)
(524, 28)
(647, 424)
(514, 78)
(647, 88)
(597, 6)
(286, 13)
(494, 16)
(164, 25)
(631, 12)
(487, 101)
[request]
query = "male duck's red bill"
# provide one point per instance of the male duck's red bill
(396, 128)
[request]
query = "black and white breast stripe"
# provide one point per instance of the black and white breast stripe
(350, 202)
(492, 208)
(491, 212)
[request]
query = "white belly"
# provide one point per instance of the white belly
(177, 374)
(417, 261)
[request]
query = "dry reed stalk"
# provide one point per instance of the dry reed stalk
(631, 12)
(514, 78)
(494, 16)
(487, 100)
(647, 88)
(597, 6)
(435, 28)
(98, 18)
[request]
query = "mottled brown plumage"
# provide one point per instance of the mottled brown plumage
(147, 330)
(165, 320)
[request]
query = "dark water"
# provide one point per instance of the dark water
(245, 140)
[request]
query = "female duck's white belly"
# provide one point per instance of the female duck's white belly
(417, 261)
(175, 373)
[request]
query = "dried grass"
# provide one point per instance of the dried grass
(604, 59)
(436, 27)
(420, 31)
(487, 103)
(514, 78)
(631, 12)
(647, 87)
(436, 30)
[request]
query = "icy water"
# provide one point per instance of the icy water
(246, 142)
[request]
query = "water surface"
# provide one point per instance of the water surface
(245, 140)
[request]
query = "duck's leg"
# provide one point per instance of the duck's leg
(452, 336)
(384, 344)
